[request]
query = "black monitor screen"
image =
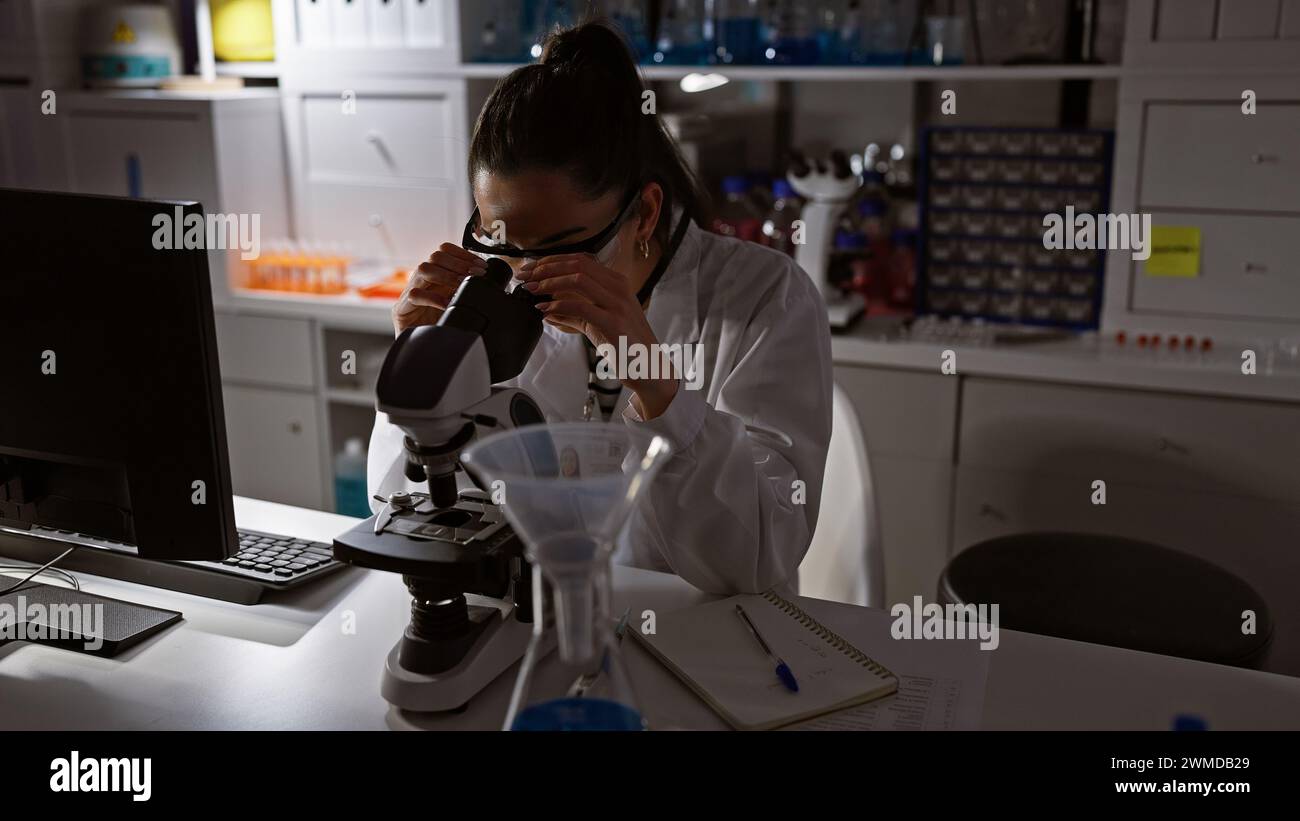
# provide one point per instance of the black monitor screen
(111, 422)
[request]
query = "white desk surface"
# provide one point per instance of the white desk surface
(290, 665)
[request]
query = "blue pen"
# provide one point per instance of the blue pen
(782, 669)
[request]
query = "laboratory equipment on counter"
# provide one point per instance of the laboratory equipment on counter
(299, 268)
(569, 490)
(461, 562)
(128, 45)
(984, 193)
(827, 187)
(778, 227)
(738, 216)
(350, 479)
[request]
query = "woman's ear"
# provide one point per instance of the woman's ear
(652, 201)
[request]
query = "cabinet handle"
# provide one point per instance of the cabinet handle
(1259, 159)
(295, 427)
(1254, 268)
(375, 220)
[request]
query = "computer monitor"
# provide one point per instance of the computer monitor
(111, 421)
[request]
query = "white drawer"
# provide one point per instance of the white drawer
(1248, 20)
(1289, 25)
(395, 223)
(275, 447)
(265, 350)
(1250, 162)
(168, 154)
(1248, 270)
(1185, 20)
(903, 413)
(411, 138)
(1226, 446)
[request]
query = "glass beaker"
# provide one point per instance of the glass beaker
(568, 490)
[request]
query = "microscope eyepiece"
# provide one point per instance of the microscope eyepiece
(498, 272)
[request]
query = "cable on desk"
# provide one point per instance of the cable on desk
(48, 567)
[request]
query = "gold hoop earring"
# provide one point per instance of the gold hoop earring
(643, 248)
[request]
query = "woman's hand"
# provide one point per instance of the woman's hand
(590, 299)
(432, 284)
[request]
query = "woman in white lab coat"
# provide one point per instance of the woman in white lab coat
(582, 190)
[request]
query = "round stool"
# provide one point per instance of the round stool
(1112, 591)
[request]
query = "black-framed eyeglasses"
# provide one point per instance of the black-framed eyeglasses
(481, 243)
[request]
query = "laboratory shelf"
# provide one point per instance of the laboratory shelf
(842, 73)
(265, 70)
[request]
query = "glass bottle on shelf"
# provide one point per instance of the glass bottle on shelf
(630, 18)
(685, 33)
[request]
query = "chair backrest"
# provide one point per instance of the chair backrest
(846, 561)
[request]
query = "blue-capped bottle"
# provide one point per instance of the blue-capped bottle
(841, 39)
(789, 35)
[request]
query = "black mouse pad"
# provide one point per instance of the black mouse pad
(74, 620)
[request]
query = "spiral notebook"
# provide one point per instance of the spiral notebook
(713, 652)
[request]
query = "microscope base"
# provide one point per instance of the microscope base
(501, 644)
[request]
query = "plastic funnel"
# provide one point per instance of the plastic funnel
(568, 490)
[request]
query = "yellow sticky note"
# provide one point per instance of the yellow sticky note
(1175, 251)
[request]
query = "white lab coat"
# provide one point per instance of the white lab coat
(726, 512)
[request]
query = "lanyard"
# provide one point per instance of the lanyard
(590, 407)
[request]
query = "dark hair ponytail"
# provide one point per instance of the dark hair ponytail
(579, 111)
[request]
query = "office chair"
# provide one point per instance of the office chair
(1112, 591)
(846, 560)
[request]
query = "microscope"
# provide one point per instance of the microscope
(827, 188)
(470, 585)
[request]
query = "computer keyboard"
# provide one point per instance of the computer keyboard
(276, 560)
(265, 563)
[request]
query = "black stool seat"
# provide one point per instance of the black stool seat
(1112, 591)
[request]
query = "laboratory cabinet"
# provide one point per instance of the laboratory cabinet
(1212, 476)
(1252, 538)
(378, 166)
(274, 440)
(274, 417)
(1219, 445)
(1173, 34)
(396, 36)
(957, 459)
(224, 150)
(1232, 189)
(908, 421)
